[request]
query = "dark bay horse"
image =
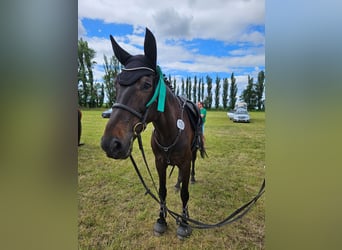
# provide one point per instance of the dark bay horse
(143, 97)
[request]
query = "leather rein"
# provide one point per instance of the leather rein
(237, 214)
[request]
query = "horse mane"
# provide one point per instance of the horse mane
(168, 83)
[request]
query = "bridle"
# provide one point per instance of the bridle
(159, 96)
(142, 116)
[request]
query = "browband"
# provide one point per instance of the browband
(138, 68)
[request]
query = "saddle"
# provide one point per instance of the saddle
(196, 122)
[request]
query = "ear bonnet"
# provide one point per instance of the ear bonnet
(138, 65)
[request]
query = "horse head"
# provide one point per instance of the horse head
(135, 86)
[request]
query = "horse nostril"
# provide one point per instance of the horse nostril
(115, 145)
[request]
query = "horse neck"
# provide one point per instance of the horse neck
(166, 124)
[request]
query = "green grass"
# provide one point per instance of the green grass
(114, 213)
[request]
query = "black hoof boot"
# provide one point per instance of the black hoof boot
(160, 227)
(184, 231)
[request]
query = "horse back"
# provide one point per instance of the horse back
(194, 115)
(196, 123)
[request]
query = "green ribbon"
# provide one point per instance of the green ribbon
(160, 92)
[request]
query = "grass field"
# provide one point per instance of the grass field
(114, 213)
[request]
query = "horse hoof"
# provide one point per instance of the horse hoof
(184, 231)
(159, 227)
(192, 181)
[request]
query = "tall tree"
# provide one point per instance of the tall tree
(170, 81)
(209, 99)
(111, 69)
(199, 89)
(194, 92)
(189, 88)
(217, 92)
(183, 90)
(202, 89)
(175, 87)
(225, 93)
(233, 92)
(98, 94)
(259, 90)
(85, 74)
(101, 96)
(248, 95)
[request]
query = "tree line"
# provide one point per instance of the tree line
(92, 94)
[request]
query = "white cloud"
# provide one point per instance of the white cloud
(177, 58)
(226, 20)
(229, 21)
(81, 30)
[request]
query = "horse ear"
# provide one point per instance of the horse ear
(150, 47)
(121, 54)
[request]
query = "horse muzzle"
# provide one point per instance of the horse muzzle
(116, 148)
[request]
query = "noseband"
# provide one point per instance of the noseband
(142, 117)
(129, 109)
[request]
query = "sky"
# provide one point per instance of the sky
(194, 37)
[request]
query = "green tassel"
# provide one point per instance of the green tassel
(160, 92)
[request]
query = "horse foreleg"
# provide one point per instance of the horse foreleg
(161, 226)
(184, 230)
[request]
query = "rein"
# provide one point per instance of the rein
(160, 93)
(237, 214)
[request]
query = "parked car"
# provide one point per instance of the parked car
(241, 115)
(240, 104)
(106, 114)
(230, 114)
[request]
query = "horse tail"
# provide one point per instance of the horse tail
(200, 138)
(201, 145)
(196, 123)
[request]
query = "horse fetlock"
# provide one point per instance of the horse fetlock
(163, 210)
(185, 212)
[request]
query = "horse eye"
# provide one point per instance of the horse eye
(147, 85)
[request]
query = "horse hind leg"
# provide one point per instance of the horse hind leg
(192, 178)
(179, 180)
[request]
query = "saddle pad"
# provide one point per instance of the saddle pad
(193, 114)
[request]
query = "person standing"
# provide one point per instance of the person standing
(203, 113)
